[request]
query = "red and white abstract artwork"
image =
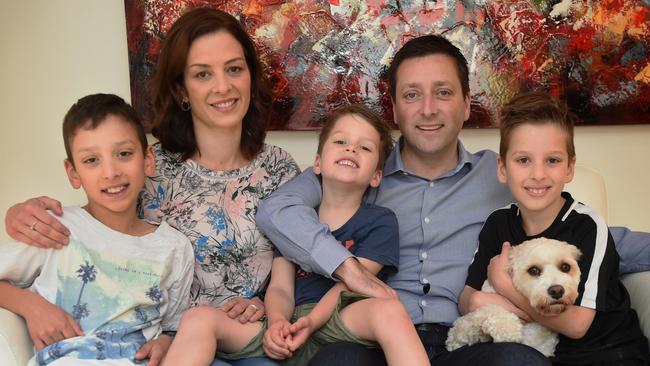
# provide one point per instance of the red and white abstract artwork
(320, 54)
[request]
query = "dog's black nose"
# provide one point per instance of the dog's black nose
(556, 291)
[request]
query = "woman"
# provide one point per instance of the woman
(212, 166)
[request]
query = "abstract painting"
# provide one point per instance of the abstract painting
(320, 54)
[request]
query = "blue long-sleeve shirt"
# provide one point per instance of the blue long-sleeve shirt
(439, 222)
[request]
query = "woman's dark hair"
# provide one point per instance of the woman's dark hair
(172, 126)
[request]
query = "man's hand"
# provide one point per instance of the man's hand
(30, 223)
(275, 340)
(358, 279)
(48, 323)
(155, 350)
(243, 309)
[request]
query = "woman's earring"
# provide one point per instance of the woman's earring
(185, 105)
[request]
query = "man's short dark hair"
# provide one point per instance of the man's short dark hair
(424, 46)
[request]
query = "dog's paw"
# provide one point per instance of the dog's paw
(503, 326)
(466, 331)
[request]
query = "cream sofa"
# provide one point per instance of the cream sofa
(588, 186)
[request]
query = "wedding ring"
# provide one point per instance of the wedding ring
(32, 227)
(254, 307)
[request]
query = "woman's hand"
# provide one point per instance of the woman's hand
(30, 223)
(243, 309)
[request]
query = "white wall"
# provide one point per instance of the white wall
(53, 52)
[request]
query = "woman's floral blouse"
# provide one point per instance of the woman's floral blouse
(216, 211)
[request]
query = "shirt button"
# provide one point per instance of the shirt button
(424, 280)
(405, 173)
(426, 220)
(431, 184)
(424, 255)
(423, 302)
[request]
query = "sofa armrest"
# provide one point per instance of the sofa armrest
(16, 347)
(638, 285)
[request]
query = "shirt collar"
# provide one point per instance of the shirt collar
(394, 163)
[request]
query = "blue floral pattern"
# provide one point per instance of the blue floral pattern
(216, 211)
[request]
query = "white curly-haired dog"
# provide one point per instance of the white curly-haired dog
(547, 273)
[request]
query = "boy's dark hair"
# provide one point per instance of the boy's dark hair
(91, 111)
(375, 120)
(172, 125)
(424, 46)
(535, 108)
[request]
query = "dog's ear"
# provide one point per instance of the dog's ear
(575, 252)
(514, 251)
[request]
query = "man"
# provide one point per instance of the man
(441, 194)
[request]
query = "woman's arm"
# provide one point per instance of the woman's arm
(29, 222)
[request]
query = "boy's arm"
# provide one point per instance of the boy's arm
(574, 322)
(279, 303)
(20, 264)
(472, 299)
(155, 350)
(321, 313)
(46, 322)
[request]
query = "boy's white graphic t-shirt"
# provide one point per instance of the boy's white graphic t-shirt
(122, 290)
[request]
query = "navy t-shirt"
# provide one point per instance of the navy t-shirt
(370, 233)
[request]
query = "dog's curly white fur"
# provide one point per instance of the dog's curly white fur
(547, 273)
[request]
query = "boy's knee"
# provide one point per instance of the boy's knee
(391, 309)
(201, 314)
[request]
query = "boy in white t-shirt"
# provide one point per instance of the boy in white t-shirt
(123, 282)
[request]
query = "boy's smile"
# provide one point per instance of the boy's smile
(110, 166)
(350, 153)
(536, 168)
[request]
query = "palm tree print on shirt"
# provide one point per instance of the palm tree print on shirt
(87, 273)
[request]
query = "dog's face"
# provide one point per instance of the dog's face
(546, 272)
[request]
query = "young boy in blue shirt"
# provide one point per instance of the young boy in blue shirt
(304, 310)
(536, 159)
(123, 281)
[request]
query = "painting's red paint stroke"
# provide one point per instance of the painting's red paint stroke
(321, 57)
